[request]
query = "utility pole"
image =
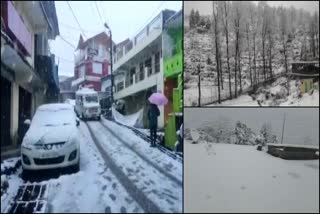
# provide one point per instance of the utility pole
(284, 121)
(111, 61)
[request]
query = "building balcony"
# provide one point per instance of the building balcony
(134, 85)
(141, 41)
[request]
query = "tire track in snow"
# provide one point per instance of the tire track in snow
(143, 157)
(133, 191)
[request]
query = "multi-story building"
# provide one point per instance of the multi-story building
(138, 67)
(66, 91)
(29, 76)
(92, 61)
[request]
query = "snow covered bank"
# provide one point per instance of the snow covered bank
(276, 95)
(238, 178)
(129, 120)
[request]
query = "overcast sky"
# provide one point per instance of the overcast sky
(205, 7)
(300, 122)
(124, 18)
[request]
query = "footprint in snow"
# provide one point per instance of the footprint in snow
(123, 210)
(294, 175)
(104, 187)
(107, 210)
(112, 197)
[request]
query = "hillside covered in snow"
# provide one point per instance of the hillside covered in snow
(246, 48)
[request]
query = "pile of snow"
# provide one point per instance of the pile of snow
(195, 134)
(9, 163)
(129, 120)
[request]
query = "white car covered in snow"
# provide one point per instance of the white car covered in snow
(52, 140)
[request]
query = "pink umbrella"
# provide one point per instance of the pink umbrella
(158, 99)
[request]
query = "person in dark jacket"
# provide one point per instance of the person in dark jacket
(153, 114)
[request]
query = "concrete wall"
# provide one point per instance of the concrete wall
(14, 112)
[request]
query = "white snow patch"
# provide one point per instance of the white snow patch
(238, 178)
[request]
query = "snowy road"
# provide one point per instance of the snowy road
(119, 172)
(144, 169)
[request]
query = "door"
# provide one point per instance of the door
(25, 100)
(5, 111)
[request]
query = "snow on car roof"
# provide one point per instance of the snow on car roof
(86, 91)
(55, 107)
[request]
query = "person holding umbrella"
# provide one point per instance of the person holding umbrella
(153, 114)
(155, 99)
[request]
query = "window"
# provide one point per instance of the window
(155, 24)
(81, 71)
(141, 72)
(132, 73)
(97, 68)
(91, 99)
(119, 86)
(147, 64)
(157, 62)
(141, 35)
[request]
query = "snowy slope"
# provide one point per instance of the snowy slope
(234, 178)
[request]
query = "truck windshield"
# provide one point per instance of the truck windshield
(91, 99)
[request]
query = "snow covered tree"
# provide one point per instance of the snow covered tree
(187, 134)
(284, 33)
(266, 134)
(192, 19)
(244, 135)
(196, 18)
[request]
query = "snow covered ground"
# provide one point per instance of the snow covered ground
(238, 178)
(277, 96)
(96, 188)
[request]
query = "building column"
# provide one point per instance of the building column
(14, 117)
(153, 63)
(160, 87)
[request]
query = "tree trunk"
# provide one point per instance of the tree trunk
(254, 61)
(285, 53)
(199, 86)
(228, 64)
(263, 59)
(248, 40)
(239, 64)
(227, 41)
(235, 69)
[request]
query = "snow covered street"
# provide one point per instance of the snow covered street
(117, 176)
(247, 180)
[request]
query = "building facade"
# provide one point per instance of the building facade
(29, 76)
(138, 67)
(92, 61)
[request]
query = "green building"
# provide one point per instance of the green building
(172, 71)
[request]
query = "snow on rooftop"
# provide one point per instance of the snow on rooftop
(292, 145)
(86, 91)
